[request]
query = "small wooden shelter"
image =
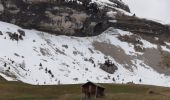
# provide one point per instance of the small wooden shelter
(91, 89)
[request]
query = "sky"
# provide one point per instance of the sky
(152, 9)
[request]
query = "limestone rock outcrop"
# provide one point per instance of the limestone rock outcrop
(75, 17)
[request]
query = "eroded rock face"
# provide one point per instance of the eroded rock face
(1, 7)
(67, 22)
(169, 27)
(139, 25)
(74, 17)
(55, 16)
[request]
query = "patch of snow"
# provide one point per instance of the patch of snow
(113, 21)
(147, 44)
(167, 43)
(6, 77)
(108, 3)
(164, 48)
(111, 14)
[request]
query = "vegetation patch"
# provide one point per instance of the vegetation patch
(21, 91)
(166, 61)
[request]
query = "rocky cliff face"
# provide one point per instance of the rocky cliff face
(138, 25)
(76, 17)
(55, 16)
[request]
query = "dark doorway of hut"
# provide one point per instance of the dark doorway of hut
(92, 90)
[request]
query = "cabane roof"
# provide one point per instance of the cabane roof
(89, 82)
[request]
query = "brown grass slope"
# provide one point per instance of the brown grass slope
(21, 91)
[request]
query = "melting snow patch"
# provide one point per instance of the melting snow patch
(147, 44)
(7, 78)
(164, 48)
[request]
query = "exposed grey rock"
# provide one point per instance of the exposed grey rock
(65, 17)
(57, 16)
(1, 33)
(169, 27)
(139, 25)
(109, 67)
(1, 7)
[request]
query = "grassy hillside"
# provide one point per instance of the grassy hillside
(21, 91)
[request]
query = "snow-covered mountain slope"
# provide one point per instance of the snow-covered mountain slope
(36, 57)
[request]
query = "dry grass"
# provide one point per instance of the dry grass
(21, 91)
(166, 61)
